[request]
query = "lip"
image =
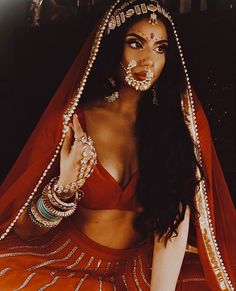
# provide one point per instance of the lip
(141, 75)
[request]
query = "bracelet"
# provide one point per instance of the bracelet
(51, 196)
(57, 202)
(53, 211)
(54, 200)
(86, 169)
(43, 211)
(40, 220)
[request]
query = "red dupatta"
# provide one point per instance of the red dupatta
(37, 164)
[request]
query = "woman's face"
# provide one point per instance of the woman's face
(147, 44)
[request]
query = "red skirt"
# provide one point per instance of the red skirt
(66, 259)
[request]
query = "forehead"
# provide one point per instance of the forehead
(145, 28)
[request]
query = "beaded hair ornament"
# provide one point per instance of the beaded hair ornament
(123, 13)
(116, 15)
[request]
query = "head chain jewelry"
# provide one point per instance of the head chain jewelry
(123, 13)
(138, 85)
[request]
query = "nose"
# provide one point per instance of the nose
(147, 62)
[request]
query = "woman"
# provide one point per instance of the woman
(108, 205)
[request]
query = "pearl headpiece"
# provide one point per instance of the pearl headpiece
(123, 13)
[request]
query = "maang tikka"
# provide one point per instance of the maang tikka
(115, 95)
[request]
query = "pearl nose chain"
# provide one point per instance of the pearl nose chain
(138, 85)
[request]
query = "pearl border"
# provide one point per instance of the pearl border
(209, 238)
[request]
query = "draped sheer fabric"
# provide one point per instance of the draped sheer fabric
(42, 145)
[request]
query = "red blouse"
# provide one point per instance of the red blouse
(102, 191)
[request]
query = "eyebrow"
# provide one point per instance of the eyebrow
(143, 39)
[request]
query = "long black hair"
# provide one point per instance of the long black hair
(167, 162)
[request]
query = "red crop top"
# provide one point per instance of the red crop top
(102, 191)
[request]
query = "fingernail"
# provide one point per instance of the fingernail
(76, 115)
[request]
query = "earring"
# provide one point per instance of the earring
(114, 95)
(154, 96)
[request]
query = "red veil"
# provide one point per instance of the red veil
(38, 162)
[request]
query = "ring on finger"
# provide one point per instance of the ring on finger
(83, 139)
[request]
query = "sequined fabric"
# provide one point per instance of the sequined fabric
(66, 259)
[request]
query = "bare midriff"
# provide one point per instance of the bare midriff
(112, 228)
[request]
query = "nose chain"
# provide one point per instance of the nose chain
(138, 85)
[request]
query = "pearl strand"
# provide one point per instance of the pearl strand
(67, 116)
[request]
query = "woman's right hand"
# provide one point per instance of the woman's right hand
(71, 153)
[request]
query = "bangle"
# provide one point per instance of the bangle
(51, 197)
(64, 205)
(53, 211)
(40, 220)
(43, 211)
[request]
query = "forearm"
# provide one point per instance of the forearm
(25, 228)
(167, 260)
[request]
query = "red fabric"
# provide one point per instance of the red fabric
(65, 258)
(41, 147)
(221, 206)
(109, 194)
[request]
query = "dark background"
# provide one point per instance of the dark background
(34, 59)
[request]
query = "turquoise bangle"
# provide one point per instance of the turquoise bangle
(44, 212)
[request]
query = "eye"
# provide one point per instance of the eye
(134, 43)
(161, 49)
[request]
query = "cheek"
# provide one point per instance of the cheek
(159, 65)
(128, 55)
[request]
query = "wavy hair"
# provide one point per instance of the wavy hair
(166, 158)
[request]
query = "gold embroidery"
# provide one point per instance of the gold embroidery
(81, 281)
(193, 279)
(124, 281)
(201, 199)
(36, 246)
(4, 271)
(98, 265)
(113, 283)
(123, 276)
(36, 254)
(142, 272)
(100, 283)
(52, 261)
(54, 280)
(26, 282)
(135, 276)
(70, 266)
(89, 263)
(107, 268)
(191, 249)
(77, 261)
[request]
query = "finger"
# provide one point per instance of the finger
(72, 126)
(66, 146)
(78, 131)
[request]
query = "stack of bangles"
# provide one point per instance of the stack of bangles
(57, 201)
